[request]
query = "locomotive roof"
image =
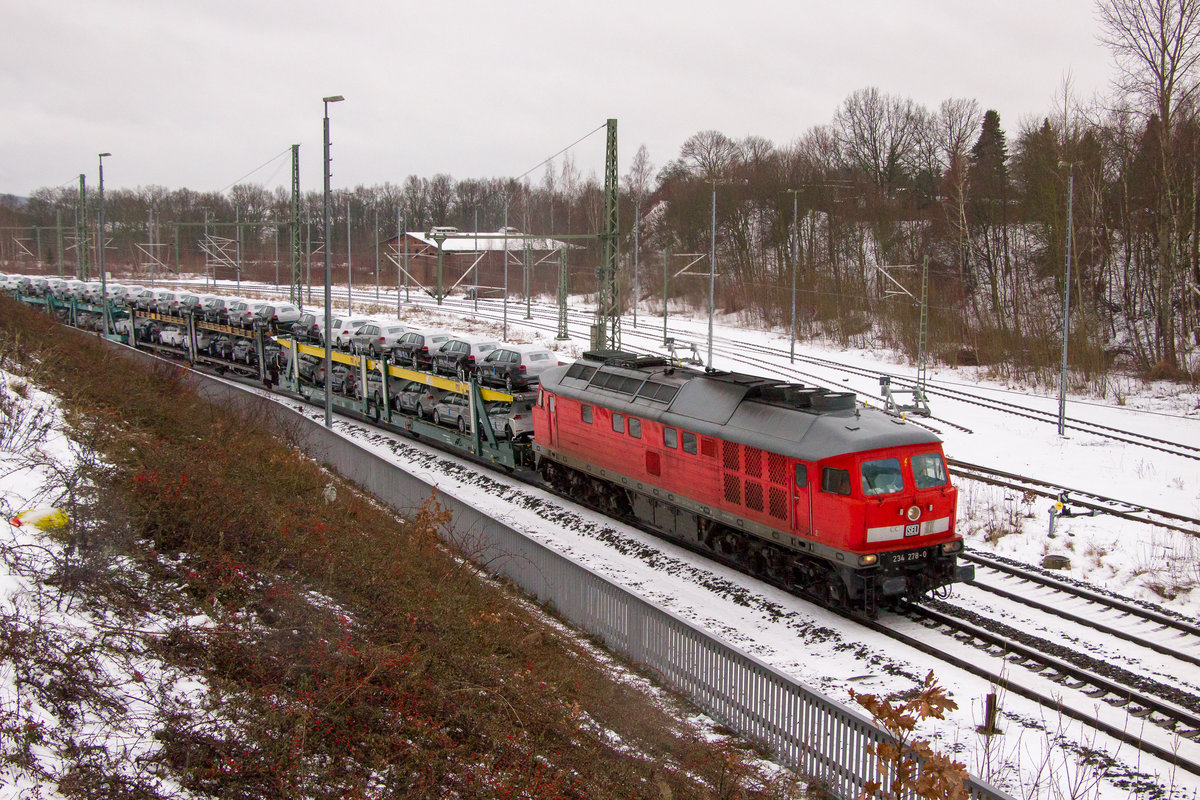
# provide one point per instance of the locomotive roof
(794, 420)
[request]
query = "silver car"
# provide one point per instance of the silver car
(166, 301)
(145, 299)
(376, 338)
(189, 304)
(461, 354)
(246, 312)
(515, 367)
(512, 421)
(274, 314)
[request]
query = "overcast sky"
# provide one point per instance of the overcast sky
(198, 94)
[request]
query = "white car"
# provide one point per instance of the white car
(344, 328)
(172, 335)
(129, 293)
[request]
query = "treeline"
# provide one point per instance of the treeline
(851, 210)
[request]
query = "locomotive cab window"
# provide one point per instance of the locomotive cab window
(618, 422)
(801, 476)
(586, 413)
(670, 438)
(835, 481)
(929, 470)
(882, 476)
(635, 427)
(689, 443)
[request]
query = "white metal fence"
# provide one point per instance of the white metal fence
(803, 728)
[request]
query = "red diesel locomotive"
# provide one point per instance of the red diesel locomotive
(792, 483)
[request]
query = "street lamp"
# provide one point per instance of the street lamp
(206, 248)
(637, 213)
(795, 262)
(337, 98)
(712, 270)
(103, 277)
(1062, 376)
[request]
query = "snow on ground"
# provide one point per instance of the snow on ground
(116, 723)
(820, 649)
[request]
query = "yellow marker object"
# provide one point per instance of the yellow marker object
(46, 518)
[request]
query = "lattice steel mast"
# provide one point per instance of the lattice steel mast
(606, 333)
(296, 293)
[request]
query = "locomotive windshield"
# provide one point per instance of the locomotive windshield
(882, 476)
(929, 470)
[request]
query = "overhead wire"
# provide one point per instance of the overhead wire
(560, 152)
(270, 160)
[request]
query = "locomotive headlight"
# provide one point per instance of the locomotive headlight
(867, 560)
(914, 513)
(950, 548)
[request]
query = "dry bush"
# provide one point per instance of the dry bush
(909, 766)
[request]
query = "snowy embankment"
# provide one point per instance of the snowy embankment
(77, 678)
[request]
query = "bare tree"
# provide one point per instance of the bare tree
(441, 195)
(641, 173)
(571, 186)
(709, 154)
(879, 135)
(957, 121)
(1157, 48)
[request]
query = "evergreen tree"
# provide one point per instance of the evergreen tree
(988, 173)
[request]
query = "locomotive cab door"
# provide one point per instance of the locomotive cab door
(552, 420)
(802, 500)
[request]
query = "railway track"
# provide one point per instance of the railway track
(1078, 497)
(1155, 629)
(1061, 680)
(1169, 710)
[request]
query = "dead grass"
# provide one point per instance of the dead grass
(350, 655)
